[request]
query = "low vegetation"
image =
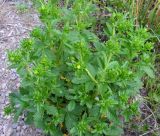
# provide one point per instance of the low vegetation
(82, 71)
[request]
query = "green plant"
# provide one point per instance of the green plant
(120, 5)
(146, 12)
(73, 82)
(22, 7)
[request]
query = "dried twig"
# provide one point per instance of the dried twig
(155, 125)
(146, 118)
(149, 131)
(5, 37)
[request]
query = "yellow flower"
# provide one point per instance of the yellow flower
(78, 66)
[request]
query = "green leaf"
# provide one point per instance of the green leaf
(112, 116)
(148, 71)
(29, 119)
(71, 106)
(113, 64)
(70, 121)
(91, 68)
(19, 112)
(155, 96)
(73, 36)
(73, 130)
(51, 110)
(94, 111)
(55, 132)
(80, 80)
(115, 131)
(38, 120)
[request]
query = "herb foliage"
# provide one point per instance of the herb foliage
(72, 81)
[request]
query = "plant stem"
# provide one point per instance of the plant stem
(90, 75)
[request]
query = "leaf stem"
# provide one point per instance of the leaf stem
(90, 75)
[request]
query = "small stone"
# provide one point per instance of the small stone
(4, 86)
(7, 102)
(22, 133)
(9, 132)
(7, 94)
(17, 134)
(1, 127)
(39, 130)
(21, 122)
(24, 127)
(18, 128)
(2, 101)
(7, 117)
(14, 126)
(3, 58)
(13, 77)
(142, 106)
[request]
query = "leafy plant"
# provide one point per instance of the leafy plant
(146, 12)
(74, 82)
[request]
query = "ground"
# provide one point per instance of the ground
(15, 24)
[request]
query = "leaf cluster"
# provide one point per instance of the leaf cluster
(72, 81)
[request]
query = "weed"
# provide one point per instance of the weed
(73, 81)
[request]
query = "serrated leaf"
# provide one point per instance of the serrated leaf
(71, 106)
(109, 29)
(115, 131)
(113, 64)
(91, 68)
(18, 113)
(155, 97)
(38, 116)
(95, 111)
(70, 121)
(29, 119)
(148, 71)
(80, 80)
(51, 110)
(38, 120)
(73, 130)
(55, 132)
